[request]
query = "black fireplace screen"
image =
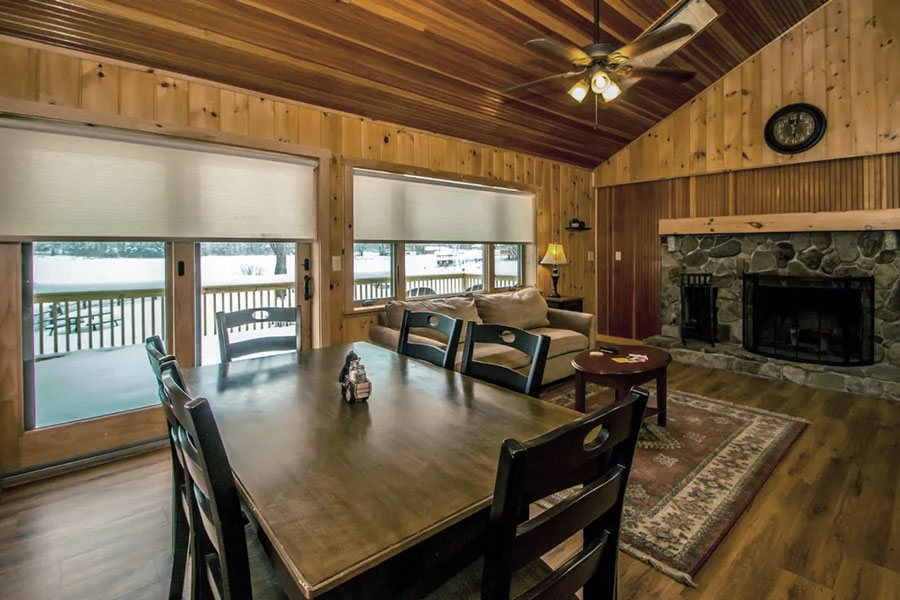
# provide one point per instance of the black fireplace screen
(810, 319)
(698, 308)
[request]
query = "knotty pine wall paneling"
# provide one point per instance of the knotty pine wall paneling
(628, 219)
(843, 58)
(93, 85)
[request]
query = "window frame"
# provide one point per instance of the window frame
(398, 275)
(527, 258)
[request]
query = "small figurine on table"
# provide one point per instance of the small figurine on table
(355, 386)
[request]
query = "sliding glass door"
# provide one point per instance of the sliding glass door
(240, 275)
(92, 306)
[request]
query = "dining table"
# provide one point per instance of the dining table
(374, 499)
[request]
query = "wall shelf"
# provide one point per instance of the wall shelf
(578, 228)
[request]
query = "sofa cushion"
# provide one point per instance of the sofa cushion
(524, 309)
(562, 341)
(457, 307)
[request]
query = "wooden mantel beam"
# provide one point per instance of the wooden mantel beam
(851, 220)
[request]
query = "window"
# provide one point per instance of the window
(373, 272)
(434, 269)
(508, 265)
(239, 275)
(92, 305)
(418, 236)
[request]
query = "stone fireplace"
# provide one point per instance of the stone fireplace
(836, 263)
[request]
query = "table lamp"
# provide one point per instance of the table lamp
(555, 256)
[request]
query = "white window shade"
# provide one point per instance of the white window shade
(57, 183)
(396, 208)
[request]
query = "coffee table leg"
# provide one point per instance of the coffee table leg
(579, 391)
(661, 396)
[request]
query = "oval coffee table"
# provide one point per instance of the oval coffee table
(599, 367)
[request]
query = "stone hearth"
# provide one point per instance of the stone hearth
(838, 254)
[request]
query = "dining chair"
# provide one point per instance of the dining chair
(249, 316)
(536, 346)
(231, 559)
(448, 326)
(181, 527)
(594, 452)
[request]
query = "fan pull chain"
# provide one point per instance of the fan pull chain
(596, 112)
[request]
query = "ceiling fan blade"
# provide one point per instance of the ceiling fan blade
(568, 75)
(669, 73)
(651, 41)
(568, 52)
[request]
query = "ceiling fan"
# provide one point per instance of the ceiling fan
(605, 68)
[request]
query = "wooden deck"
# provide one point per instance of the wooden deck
(825, 525)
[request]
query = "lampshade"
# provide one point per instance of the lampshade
(600, 81)
(555, 255)
(579, 90)
(611, 92)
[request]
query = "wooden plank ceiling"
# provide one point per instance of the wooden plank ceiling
(436, 65)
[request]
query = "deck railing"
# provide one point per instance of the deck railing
(68, 321)
(375, 288)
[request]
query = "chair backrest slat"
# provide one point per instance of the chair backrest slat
(535, 346)
(450, 327)
(569, 577)
(595, 452)
(559, 523)
(217, 505)
(267, 315)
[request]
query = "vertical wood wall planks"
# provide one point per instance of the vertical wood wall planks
(234, 112)
(203, 106)
(842, 58)
(20, 65)
(171, 100)
(99, 86)
(136, 95)
(59, 79)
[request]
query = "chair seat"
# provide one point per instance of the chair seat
(466, 585)
(263, 580)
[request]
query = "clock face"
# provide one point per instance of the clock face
(795, 128)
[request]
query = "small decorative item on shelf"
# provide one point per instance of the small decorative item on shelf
(355, 386)
(577, 224)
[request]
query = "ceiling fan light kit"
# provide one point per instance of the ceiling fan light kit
(607, 69)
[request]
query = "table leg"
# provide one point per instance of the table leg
(579, 391)
(661, 396)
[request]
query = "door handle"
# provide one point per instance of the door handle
(307, 283)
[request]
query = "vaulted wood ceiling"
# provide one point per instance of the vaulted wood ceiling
(436, 65)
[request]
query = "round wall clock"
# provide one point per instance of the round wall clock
(795, 128)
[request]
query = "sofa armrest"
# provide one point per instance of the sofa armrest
(389, 338)
(583, 323)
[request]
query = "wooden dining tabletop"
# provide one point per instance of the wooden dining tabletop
(340, 488)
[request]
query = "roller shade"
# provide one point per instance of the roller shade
(56, 182)
(402, 208)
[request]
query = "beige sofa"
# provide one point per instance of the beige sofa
(570, 332)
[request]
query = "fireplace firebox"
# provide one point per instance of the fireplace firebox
(820, 320)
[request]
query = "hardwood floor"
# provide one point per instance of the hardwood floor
(825, 525)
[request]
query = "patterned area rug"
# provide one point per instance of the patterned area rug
(692, 479)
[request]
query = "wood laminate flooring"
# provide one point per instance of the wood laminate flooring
(825, 525)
